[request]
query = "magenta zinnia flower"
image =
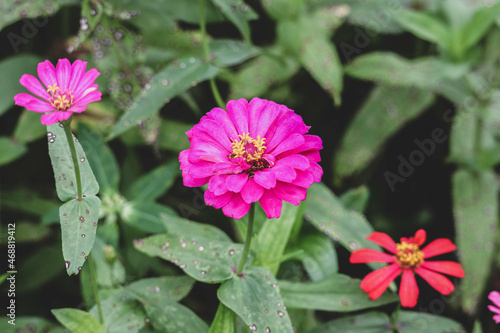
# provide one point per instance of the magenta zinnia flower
(407, 258)
(67, 89)
(494, 296)
(257, 151)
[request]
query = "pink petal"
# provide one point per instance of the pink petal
(217, 184)
(362, 256)
(283, 129)
(290, 193)
(63, 73)
(217, 201)
(212, 128)
(289, 143)
(236, 207)
(262, 114)
(201, 169)
(303, 179)
(496, 318)
(251, 191)
(446, 267)
(222, 118)
(77, 72)
(92, 96)
(236, 182)
(408, 292)
(37, 105)
(316, 171)
(271, 204)
(22, 99)
(437, 281)
(47, 73)
(33, 85)
(296, 161)
(86, 81)
(311, 143)
(54, 117)
(494, 309)
(285, 173)
(237, 110)
(494, 296)
(383, 240)
(265, 179)
(437, 247)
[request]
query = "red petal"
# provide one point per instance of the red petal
(437, 247)
(383, 240)
(408, 291)
(420, 237)
(437, 281)
(446, 267)
(375, 278)
(369, 255)
(377, 281)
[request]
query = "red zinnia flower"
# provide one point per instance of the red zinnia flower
(256, 151)
(407, 258)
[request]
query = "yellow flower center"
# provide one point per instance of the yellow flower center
(61, 100)
(249, 148)
(408, 255)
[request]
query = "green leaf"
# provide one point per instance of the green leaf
(109, 270)
(31, 325)
(478, 26)
(315, 52)
(27, 232)
(239, 13)
(230, 52)
(168, 83)
(62, 164)
(255, 297)
(338, 293)
(356, 198)
(29, 202)
(145, 216)
(258, 75)
(271, 241)
(152, 185)
(78, 224)
(371, 322)
(204, 259)
(383, 113)
(318, 257)
(78, 321)
(417, 322)
(10, 150)
(101, 159)
(121, 313)
(173, 135)
(29, 128)
(223, 321)
(15, 11)
(179, 226)
(475, 210)
(165, 288)
(325, 211)
(425, 26)
(463, 136)
(284, 9)
(174, 317)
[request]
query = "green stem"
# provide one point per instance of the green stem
(94, 284)
(248, 240)
(69, 136)
(206, 53)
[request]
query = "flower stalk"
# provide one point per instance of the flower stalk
(69, 136)
(248, 240)
(94, 285)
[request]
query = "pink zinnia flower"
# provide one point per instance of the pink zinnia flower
(494, 296)
(257, 151)
(407, 258)
(67, 89)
